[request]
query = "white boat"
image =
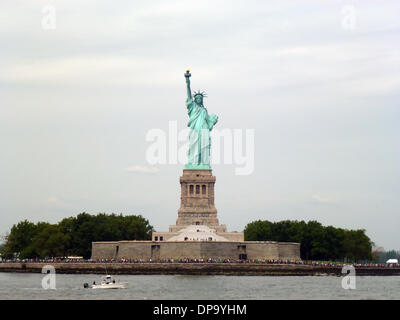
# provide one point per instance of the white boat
(108, 283)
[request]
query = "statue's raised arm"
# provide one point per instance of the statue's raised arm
(189, 91)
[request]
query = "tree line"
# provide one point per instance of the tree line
(317, 241)
(72, 236)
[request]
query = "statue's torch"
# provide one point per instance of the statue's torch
(187, 74)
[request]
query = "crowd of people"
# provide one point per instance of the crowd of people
(201, 260)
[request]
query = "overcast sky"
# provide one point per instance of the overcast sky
(319, 88)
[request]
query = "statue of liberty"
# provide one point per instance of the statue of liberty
(200, 124)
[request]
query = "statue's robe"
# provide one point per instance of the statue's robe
(200, 124)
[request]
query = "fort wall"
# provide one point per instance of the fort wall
(195, 249)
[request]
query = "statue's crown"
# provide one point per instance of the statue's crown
(199, 93)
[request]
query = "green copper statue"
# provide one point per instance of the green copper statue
(200, 124)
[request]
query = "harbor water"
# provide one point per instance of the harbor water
(182, 287)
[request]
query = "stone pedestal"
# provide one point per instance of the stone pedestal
(197, 200)
(197, 208)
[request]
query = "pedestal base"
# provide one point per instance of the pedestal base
(197, 207)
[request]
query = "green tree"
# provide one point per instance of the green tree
(50, 242)
(357, 246)
(19, 238)
(73, 235)
(87, 228)
(258, 231)
(317, 242)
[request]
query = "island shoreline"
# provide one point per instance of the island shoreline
(228, 269)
